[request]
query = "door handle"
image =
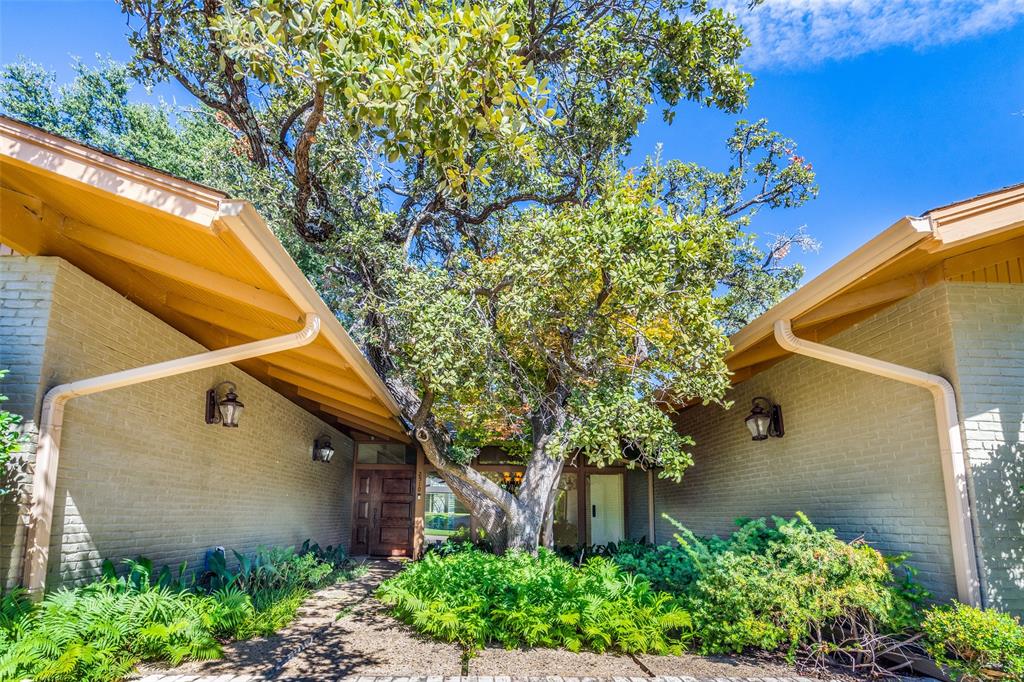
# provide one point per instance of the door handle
(593, 511)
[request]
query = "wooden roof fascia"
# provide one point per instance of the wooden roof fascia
(179, 270)
(101, 173)
(903, 235)
(248, 226)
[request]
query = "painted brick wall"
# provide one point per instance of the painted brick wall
(860, 452)
(26, 289)
(140, 471)
(988, 338)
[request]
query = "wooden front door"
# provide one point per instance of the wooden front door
(383, 509)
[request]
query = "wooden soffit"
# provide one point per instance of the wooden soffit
(977, 240)
(205, 265)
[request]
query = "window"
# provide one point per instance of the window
(567, 511)
(384, 453)
(443, 514)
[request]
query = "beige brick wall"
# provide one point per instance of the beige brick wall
(26, 289)
(860, 452)
(988, 338)
(140, 471)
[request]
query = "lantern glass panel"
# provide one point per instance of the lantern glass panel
(758, 425)
(230, 411)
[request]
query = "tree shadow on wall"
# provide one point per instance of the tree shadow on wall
(999, 506)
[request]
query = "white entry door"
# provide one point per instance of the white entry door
(605, 510)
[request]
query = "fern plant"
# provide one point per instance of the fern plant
(474, 598)
(101, 631)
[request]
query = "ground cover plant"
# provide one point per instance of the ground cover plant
(975, 644)
(473, 597)
(102, 630)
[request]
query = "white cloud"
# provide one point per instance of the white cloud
(800, 32)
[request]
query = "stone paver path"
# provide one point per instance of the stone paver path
(343, 633)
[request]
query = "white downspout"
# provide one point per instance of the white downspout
(47, 455)
(951, 449)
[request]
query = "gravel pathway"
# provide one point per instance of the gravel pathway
(343, 633)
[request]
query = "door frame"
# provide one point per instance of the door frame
(605, 471)
(417, 519)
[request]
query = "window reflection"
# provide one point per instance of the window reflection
(444, 515)
(567, 511)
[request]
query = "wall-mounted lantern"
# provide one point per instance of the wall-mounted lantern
(225, 410)
(323, 451)
(765, 419)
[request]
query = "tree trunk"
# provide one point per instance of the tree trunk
(511, 521)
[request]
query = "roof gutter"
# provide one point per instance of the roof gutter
(904, 234)
(52, 419)
(951, 450)
(249, 227)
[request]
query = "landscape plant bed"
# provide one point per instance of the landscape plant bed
(782, 589)
(101, 631)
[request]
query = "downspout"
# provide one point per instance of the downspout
(650, 507)
(951, 451)
(47, 455)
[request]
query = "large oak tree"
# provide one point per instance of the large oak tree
(452, 177)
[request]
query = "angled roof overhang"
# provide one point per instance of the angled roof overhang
(977, 240)
(207, 265)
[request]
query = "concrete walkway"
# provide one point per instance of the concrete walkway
(343, 633)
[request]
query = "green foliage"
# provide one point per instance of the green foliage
(95, 108)
(474, 598)
(777, 586)
(975, 644)
(428, 148)
(412, 156)
(271, 568)
(623, 291)
(10, 442)
(667, 567)
(426, 79)
(335, 556)
(99, 633)
(102, 630)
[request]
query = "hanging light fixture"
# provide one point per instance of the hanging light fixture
(765, 419)
(226, 410)
(323, 451)
(511, 480)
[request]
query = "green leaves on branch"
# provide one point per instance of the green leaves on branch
(426, 79)
(610, 303)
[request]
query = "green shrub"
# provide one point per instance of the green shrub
(784, 588)
(14, 467)
(473, 597)
(668, 568)
(975, 644)
(337, 557)
(101, 631)
(777, 586)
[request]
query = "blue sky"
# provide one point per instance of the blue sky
(901, 105)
